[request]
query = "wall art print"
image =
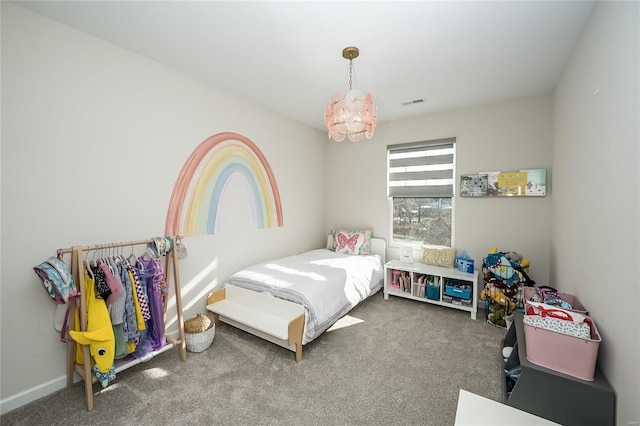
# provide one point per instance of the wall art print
(473, 185)
(203, 182)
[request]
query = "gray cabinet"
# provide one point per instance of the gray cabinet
(553, 395)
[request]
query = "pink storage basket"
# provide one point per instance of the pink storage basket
(576, 306)
(560, 352)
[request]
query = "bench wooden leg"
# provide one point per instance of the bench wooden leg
(213, 298)
(296, 329)
(298, 352)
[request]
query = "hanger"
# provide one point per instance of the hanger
(101, 254)
(147, 255)
(92, 261)
(104, 260)
(87, 268)
(106, 255)
(115, 258)
(132, 257)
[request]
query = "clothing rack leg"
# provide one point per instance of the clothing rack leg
(71, 353)
(71, 344)
(172, 263)
(176, 278)
(86, 355)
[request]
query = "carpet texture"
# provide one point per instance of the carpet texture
(393, 362)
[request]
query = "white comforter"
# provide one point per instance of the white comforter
(326, 283)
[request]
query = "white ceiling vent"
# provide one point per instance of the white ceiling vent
(413, 102)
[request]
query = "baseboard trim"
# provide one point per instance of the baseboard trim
(22, 398)
(25, 397)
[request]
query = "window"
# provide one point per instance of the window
(421, 185)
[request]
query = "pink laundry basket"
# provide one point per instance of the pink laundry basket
(560, 352)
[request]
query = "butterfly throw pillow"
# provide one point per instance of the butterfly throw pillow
(352, 242)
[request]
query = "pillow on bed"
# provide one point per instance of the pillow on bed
(352, 242)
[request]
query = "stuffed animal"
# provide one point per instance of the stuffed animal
(497, 296)
(513, 256)
(502, 268)
(99, 335)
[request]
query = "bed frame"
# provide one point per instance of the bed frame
(276, 320)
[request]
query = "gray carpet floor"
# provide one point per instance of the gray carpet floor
(395, 362)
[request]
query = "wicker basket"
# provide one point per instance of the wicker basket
(199, 332)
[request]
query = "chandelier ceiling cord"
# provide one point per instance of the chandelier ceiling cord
(353, 115)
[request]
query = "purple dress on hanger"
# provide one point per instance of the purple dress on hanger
(151, 275)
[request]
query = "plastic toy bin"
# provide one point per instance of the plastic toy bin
(457, 288)
(464, 265)
(560, 352)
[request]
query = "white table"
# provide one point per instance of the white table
(480, 411)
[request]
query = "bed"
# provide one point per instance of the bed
(292, 300)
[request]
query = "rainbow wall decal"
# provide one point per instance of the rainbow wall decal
(194, 208)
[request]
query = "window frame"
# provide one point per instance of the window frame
(390, 198)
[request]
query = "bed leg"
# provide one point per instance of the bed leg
(296, 329)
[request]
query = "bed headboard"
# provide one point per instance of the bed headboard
(378, 246)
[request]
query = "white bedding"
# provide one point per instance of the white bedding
(326, 283)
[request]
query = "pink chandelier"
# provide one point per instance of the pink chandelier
(353, 115)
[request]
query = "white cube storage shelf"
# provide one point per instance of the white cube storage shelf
(412, 278)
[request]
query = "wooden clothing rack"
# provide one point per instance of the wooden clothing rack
(77, 269)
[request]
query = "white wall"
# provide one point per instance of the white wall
(93, 138)
(596, 232)
(505, 136)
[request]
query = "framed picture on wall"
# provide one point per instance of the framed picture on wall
(474, 185)
(512, 184)
(492, 183)
(536, 185)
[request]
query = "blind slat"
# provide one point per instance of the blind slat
(426, 175)
(416, 146)
(421, 191)
(419, 161)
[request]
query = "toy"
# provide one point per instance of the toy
(513, 256)
(99, 335)
(496, 295)
(506, 270)
(502, 268)
(505, 274)
(396, 278)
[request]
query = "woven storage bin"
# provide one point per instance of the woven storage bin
(199, 332)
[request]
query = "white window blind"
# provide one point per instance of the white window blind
(422, 169)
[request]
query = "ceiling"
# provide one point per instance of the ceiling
(288, 55)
